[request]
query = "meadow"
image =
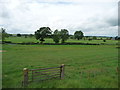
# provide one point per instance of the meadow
(86, 66)
(48, 40)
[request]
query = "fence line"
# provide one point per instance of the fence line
(30, 75)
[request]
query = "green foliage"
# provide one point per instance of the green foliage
(71, 36)
(56, 36)
(90, 39)
(104, 40)
(64, 34)
(94, 37)
(18, 35)
(3, 34)
(31, 35)
(42, 33)
(10, 35)
(25, 36)
(78, 35)
(117, 38)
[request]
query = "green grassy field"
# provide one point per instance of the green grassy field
(96, 62)
(32, 39)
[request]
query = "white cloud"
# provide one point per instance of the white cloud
(97, 17)
(31, 1)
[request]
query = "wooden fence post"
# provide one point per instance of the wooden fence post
(62, 71)
(25, 72)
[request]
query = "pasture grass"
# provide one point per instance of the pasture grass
(49, 40)
(87, 66)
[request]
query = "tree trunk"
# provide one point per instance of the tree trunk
(41, 42)
(62, 41)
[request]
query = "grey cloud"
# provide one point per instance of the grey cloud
(26, 18)
(4, 12)
(16, 30)
(112, 21)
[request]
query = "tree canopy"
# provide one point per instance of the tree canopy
(64, 34)
(78, 35)
(18, 35)
(3, 34)
(42, 33)
(56, 36)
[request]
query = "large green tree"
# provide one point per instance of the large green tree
(3, 34)
(78, 35)
(94, 38)
(56, 36)
(42, 33)
(64, 34)
(19, 35)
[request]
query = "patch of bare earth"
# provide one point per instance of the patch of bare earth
(2, 50)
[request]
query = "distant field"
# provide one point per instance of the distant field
(23, 40)
(100, 61)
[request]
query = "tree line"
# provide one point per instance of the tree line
(45, 32)
(62, 35)
(57, 36)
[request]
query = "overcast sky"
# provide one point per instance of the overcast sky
(93, 17)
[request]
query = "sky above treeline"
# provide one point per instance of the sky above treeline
(93, 17)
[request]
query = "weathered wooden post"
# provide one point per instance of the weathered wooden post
(32, 75)
(25, 72)
(117, 70)
(62, 67)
